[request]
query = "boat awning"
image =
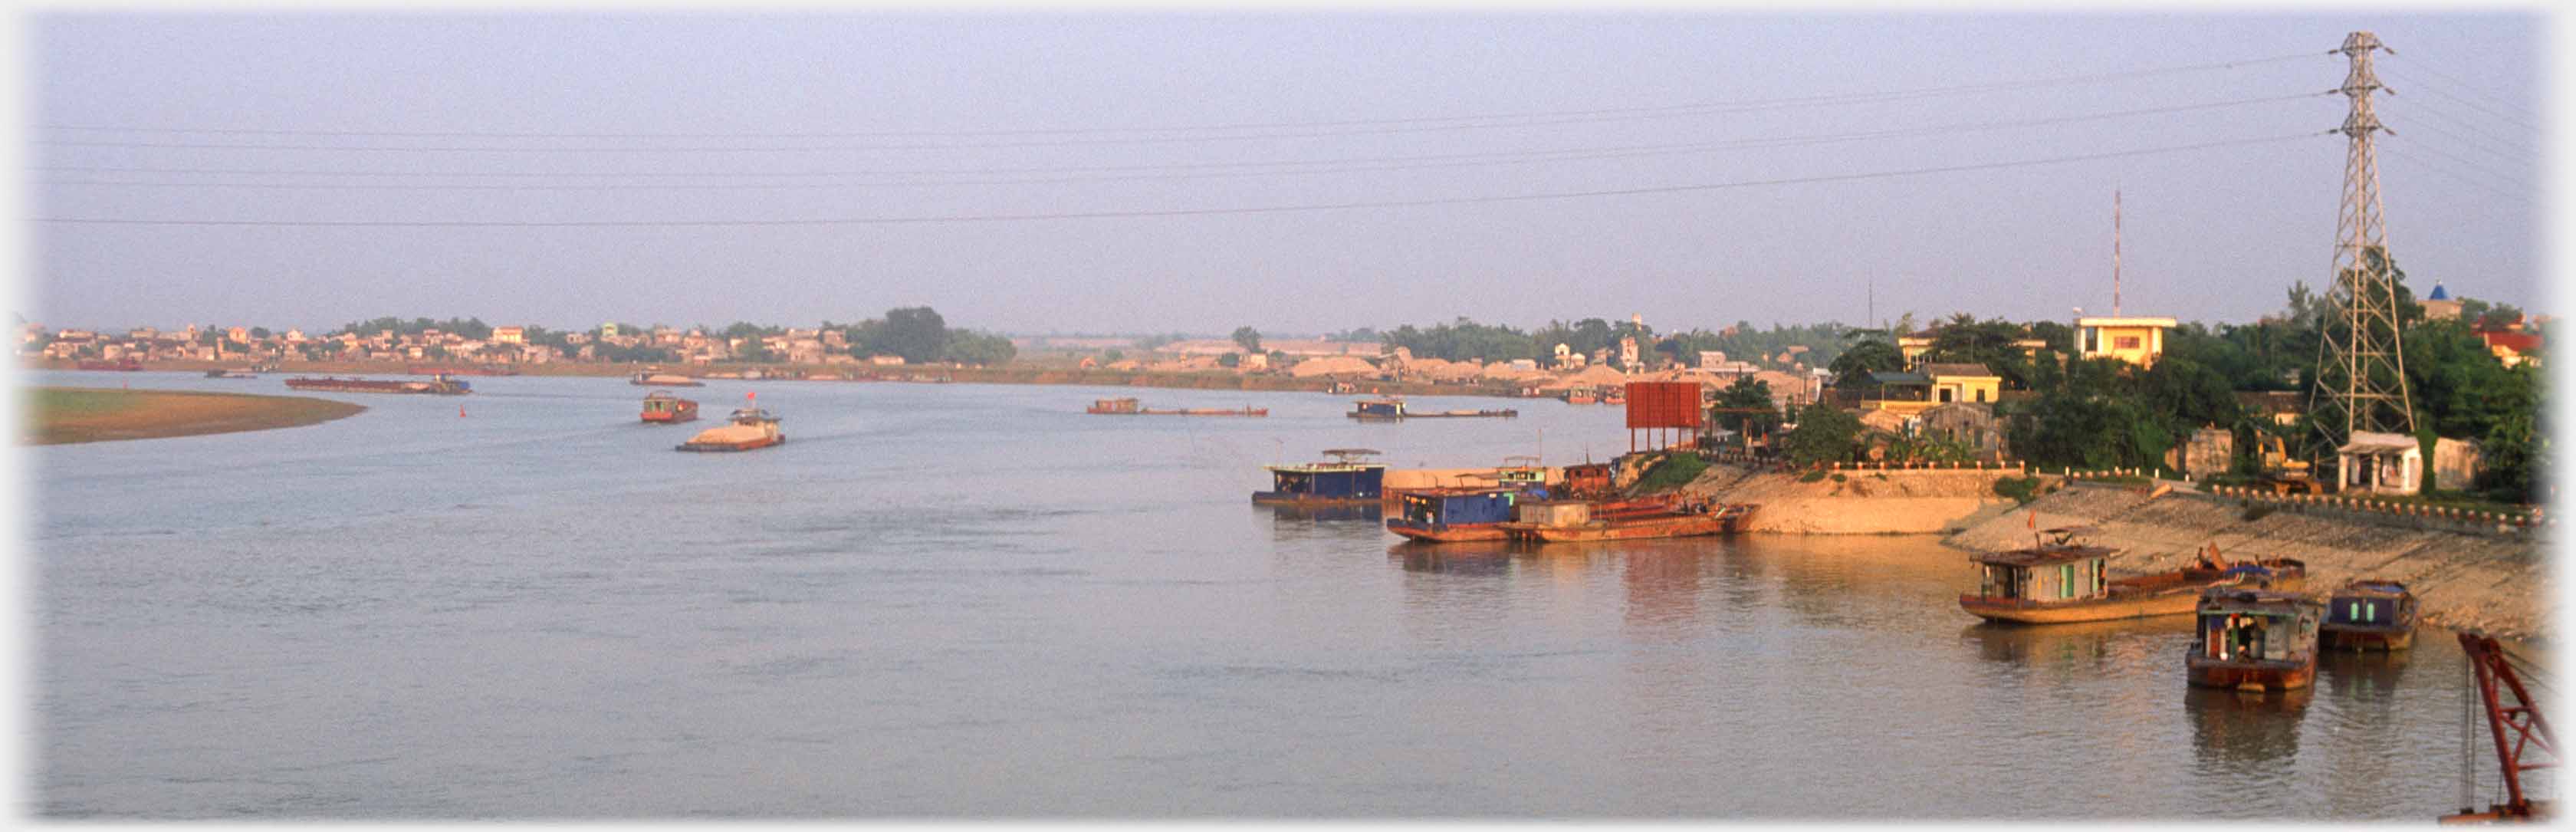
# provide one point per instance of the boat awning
(2366, 442)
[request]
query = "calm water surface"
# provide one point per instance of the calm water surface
(975, 600)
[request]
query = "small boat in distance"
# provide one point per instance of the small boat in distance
(751, 428)
(1128, 407)
(1450, 515)
(121, 364)
(664, 408)
(2254, 640)
(231, 374)
(1346, 480)
(653, 379)
(436, 386)
(2369, 614)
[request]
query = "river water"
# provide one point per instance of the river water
(974, 600)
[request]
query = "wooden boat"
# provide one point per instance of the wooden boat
(436, 386)
(2254, 640)
(231, 374)
(2369, 614)
(439, 370)
(664, 408)
(2059, 581)
(1128, 407)
(1346, 480)
(1579, 397)
(1451, 515)
(121, 364)
(1576, 521)
(751, 429)
(651, 379)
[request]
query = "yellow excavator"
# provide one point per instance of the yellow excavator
(2282, 473)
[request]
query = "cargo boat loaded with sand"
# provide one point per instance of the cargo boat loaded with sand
(752, 428)
(1661, 516)
(1128, 407)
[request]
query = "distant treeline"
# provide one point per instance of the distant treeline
(1465, 339)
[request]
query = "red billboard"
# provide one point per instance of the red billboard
(1663, 404)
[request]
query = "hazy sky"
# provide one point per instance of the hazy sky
(526, 120)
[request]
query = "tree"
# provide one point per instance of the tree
(1824, 434)
(1247, 338)
(260, 332)
(979, 349)
(1746, 407)
(1852, 368)
(917, 333)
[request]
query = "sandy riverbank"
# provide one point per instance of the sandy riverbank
(2464, 577)
(1857, 502)
(60, 415)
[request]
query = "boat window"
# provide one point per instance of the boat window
(2066, 580)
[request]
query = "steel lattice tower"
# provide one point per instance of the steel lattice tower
(2361, 374)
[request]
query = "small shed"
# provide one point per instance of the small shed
(2455, 464)
(2380, 463)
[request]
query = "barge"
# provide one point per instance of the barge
(1392, 409)
(121, 364)
(436, 386)
(751, 429)
(651, 379)
(2059, 581)
(1578, 521)
(1346, 480)
(1128, 407)
(2254, 640)
(1452, 515)
(435, 370)
(2369, 614)
(231, 374)
(664, 408)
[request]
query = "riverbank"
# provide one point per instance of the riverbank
(1008, 374)
(65, 415)
(1902, 501)
(2483, 579)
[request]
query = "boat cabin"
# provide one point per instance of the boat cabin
(1385, 408)
(1439, 507)
(1555, 513)
(2044, 574)
(1521, 472)
(2371, 603)
(753, 416)
(1345, 479)
(2239, 625)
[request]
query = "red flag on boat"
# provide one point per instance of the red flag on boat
(751, 396)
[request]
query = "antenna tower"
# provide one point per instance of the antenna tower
(2115, 252)
(2361, 374)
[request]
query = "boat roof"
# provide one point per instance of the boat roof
(2043, 557)
(2371, 586)
(1458, 491)
(1326, 467)
(2253, 601)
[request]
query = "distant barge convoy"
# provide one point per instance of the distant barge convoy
(437, 386)
(1391, 409)
(1128, 407)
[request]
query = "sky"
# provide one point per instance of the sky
(1298, 173)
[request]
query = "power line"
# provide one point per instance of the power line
(1272, 209)
(2500, 179)
(1400, 163)
(1866, 97)
(2437, 90)
(2413, 64)
(2455, 175)
(2471, 138)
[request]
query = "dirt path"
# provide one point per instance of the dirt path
(61, 415)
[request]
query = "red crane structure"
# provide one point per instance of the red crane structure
(2516, 729)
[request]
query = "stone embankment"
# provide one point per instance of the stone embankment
(2467, 576)
(1868, 501)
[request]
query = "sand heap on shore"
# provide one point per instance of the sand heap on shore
(1861, 502)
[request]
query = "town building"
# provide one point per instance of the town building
(2440, 306)
(2380, 463)
(509, 335)
(2137, 340)
(1963, 383)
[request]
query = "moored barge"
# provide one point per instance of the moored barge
(436, 386)
(121, 364)
(2254, 640)
(2369, 614)
(2060, 581)
(1578, 521)
(1346, 480)
(652, 379)
(663, 408)
(1450, 515)
(751, 429)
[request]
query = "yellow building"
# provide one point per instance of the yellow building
(1963, 383)
(1914, 346)
(2135, 340)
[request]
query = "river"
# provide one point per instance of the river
(975, 600)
